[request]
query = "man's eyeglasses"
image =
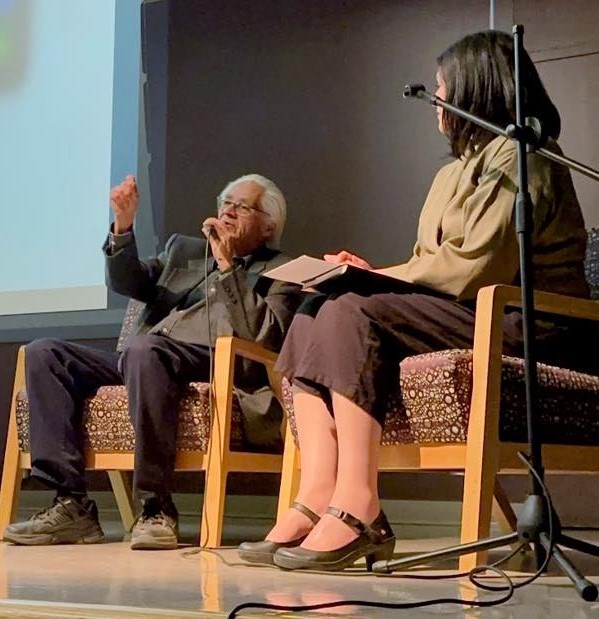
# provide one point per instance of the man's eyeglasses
(240, 207)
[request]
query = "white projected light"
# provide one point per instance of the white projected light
(56, 105)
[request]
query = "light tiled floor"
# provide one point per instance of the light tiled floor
(110, 580)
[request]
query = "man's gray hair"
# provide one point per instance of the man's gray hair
(272, 202)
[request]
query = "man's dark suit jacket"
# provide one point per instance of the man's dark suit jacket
(242, 303)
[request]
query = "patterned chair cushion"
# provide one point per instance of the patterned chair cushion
(106, 418)
(432, 402)
(108, 427)
(591, 263)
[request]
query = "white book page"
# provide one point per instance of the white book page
(301, 270)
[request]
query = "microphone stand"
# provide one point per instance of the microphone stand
(537, 523)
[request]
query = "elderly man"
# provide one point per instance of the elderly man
(171, 348)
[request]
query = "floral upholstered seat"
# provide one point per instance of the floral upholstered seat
(432, 402)
(108, 427)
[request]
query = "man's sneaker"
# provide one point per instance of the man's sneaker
(158, 526)
(66, 521)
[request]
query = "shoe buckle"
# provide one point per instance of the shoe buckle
(346, 518)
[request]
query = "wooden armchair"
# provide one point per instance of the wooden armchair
(210, 441)
(465, 410)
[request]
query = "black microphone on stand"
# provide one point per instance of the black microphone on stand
(419, 92)
(531, 132)
(413, 90)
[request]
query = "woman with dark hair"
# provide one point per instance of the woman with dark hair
(341, 355)
(478, 72)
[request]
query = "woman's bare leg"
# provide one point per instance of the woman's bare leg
(318, 449)
(356, 490)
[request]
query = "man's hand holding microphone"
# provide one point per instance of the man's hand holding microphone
(222, 241)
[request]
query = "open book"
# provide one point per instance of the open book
(313, 273)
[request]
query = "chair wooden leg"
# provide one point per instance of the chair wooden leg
(10, 492)
(217, 467)
(290, 474)
(476, 511)
(123, 496)
(12, 474)
(213, 510)
(482, 449)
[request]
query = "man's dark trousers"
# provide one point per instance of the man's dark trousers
(60, 375)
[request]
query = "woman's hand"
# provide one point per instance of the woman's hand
(344, 257)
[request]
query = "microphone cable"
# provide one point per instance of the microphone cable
(211, 414)
(473, 576)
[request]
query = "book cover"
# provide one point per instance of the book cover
(326, 277)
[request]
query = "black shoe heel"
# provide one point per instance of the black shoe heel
(384, 553)
(375, 542)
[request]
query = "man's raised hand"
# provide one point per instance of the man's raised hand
(124, 200)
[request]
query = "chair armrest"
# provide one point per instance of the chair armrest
(490, 307)
(488, 329)
(226, 350)
(19, 382)
(493, 299)
(488, 343)
(247, 349)
(229, 347)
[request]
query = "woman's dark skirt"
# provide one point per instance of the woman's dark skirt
(352, 344)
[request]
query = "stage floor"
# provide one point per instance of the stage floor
(110, 580)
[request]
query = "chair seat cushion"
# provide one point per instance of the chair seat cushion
(432, 402)
(108, 427)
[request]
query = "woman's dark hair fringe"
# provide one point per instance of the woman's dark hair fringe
(478, 72)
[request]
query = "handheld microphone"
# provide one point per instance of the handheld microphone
(211, 230)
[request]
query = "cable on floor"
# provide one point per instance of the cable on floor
(473, 576)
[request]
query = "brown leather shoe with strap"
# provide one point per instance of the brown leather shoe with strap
(262, 552)
(375, 542)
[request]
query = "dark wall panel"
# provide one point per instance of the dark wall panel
(574, 87)
(559, 28)
(563, 38)
(309, 94)
(152, 126)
